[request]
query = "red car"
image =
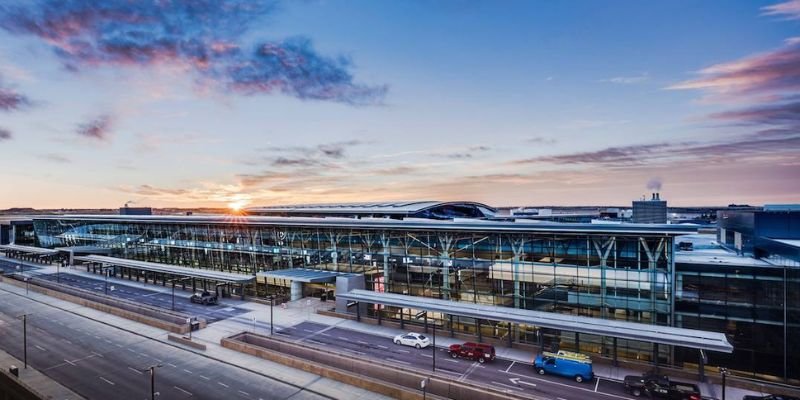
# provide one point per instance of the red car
(473, 351)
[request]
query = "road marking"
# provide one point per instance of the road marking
(184, 391)
(343, 338)
(223, 384)
(205, 377)
(398, 361)
(244, 393)
(315, 341)
(456, 361)
(362, 342)
(566, 385)
(132, 351)
(597, 384)
(70, 362)
(39, 347)
(508, 386)
(403, 351)
(172, 365)
(560, 398)
(324, 334)
(135, 370)
(108, 341)
(107, 381)
(509, 367)
(309, 330)
(427, 355)
(382, 347)
(190, 372)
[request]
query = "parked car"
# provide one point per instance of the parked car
(473, 351)
(770, 397)
(413, 339)
(571, 365)
(661, 387)
(204, 298)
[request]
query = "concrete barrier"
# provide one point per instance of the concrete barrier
(187, 342)
(11, 388)
(395, 381)
(174, 327)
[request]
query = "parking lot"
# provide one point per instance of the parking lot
(512, 376)
(211, 313)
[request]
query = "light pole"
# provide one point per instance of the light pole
(24, 338)
(271, 304)
(106, 273)
(173, 281)
(425, 315)
(724, 372)
(152, 370)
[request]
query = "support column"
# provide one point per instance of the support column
(385, 244)
(701, 368)
(480, 334)
(296, 291)
(452, 330)
(402, 321)
(615, 362)
(447, 243)
(655, 356)
(510, 333)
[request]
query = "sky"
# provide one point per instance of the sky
(226, 103)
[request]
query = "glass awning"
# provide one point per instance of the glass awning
(692, 338)
(169, 269)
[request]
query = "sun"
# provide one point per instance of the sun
(236, 206)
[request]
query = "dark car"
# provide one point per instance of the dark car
(205, 298)
(770, 397)
(473, 351)
(661, 387)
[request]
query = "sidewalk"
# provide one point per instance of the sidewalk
(38, 381)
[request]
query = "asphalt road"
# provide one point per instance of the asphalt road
(98, 361)
(211, 313)
(9, 267)
(501, 374)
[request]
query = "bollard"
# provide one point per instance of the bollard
(14, 370)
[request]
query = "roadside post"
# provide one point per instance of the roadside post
(422, 384)
(189, 322)
(724, 372)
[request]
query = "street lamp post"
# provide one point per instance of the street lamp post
(425, 315)
(106, 287)
(152, 370)
(271, 304)
(24, 338)
(724, 372)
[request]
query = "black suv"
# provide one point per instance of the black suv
(661, 387)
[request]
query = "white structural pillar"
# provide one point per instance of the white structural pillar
(447, 244)
(385, 244)
(296, 292)
(518, 247)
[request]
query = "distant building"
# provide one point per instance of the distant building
(746, 230)
(135, 210)
(653, 211)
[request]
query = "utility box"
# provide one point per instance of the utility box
(14, 370)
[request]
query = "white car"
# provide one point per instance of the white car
(417, 340)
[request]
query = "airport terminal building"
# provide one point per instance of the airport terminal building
(445, 251)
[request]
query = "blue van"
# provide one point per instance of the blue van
(578, 368)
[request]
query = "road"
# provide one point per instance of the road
(211, 313)
(98, 361)
(10, 266)
(500, 374)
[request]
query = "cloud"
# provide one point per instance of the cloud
(777, 71)
(97, 129)
(628, 80)
(541, 140)
(773, 142)
(56, 158)
(5, 134)
(781, 113)
(203, 36)
(789, 9)
(623, 155)
(10, 100)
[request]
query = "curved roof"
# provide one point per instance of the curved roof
(408, 208)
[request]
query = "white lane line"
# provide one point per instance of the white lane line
(118, 345)
(223, 384)
(508, 386)
(454, 361)
(183, 390)
(597, 384)
(309, 330)
(135, 370)
(324, 334)
(187, 371)
(398, 361)
(512, 364)
(427, 355)
(403, 351)
(244, 393)
(39, 347)
(107, 381)
(382, 347)
(362, 342)
(108, 341)
(343, 338)
(205, 377)
(132, 351)
(172, 365)
(70, 362)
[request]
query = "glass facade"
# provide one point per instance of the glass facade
(626, 276)
(757, 306)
